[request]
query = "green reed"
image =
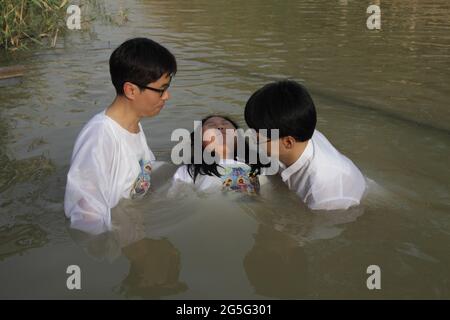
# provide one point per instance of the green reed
(42, 21)
(25, 21)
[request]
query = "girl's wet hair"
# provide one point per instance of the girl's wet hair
(211, 169)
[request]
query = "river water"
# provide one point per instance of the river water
(382, 99)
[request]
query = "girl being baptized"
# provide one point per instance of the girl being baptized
(229, 172)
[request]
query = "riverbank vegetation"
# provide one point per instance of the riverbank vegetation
(30, 21)
(27, 22)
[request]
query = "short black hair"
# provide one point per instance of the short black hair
(284, 105)
(140, 61)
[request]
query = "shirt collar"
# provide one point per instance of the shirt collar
(297, 165)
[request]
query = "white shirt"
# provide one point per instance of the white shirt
(324, 178)
(107, 164)
(205, 183)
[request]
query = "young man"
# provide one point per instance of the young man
(321, 176)
(111, 159)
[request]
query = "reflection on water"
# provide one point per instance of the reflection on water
(276, 266)
(382, 100)
(31, 169)
(268, 243)
(154, 271)
(17, 239)
(154, 263)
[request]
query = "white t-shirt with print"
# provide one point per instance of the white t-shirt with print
(107, 163)
(206, 183)
(324, 178)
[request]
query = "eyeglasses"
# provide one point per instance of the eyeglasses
(160, 91)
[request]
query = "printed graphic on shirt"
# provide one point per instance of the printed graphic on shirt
(240, 179)
(142, 183)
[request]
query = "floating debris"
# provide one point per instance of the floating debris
(11, 72)
(11, 75)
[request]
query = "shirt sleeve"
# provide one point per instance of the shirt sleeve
(88, 198)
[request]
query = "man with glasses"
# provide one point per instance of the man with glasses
(111, 159)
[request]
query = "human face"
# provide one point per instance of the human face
(218, 123)
(149, 102)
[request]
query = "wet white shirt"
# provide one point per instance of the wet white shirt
(108, 163)
(324, 178)
(205, 183)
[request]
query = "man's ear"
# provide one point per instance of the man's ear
(288, 142)
(130, 90)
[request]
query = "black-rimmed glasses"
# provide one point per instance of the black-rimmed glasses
(160, 91)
